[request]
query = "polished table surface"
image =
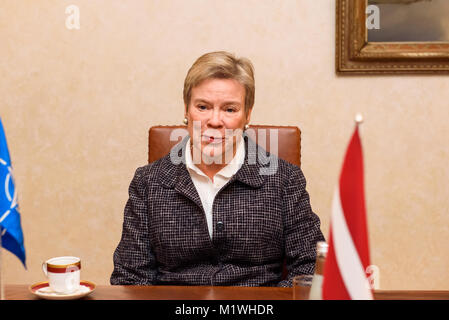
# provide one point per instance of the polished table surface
(106, 292)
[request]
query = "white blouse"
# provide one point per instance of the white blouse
(206, 188)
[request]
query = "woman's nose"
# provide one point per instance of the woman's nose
(215, 119)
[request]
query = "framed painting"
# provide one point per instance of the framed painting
(392, 36)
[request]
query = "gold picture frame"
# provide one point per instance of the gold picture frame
(355, 55)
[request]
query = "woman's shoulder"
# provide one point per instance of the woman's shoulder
(285, 173)
(150, 170)
(270, 164)
(287, 169)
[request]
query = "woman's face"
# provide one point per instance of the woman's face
(216, 118)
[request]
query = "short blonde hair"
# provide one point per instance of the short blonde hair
(221, 65)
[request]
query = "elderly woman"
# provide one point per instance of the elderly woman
(215, 218)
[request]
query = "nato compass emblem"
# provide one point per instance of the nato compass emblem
(8, 198)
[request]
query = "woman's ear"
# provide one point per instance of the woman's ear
(186, 110)
(248, 115)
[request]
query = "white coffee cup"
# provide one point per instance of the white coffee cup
(63, 274)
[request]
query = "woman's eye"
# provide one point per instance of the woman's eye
(201, 107)
(230, 110)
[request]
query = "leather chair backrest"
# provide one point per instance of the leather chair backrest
(289, 140)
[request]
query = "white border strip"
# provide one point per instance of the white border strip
(348, 260)
(3, 217)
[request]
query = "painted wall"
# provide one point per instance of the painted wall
(76, 106)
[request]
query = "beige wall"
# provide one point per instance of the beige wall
(76, 106)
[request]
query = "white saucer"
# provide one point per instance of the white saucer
(43, 290)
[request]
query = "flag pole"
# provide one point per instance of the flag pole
(358, 119)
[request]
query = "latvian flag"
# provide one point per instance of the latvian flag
(348, 256)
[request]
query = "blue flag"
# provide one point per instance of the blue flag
(10, 227)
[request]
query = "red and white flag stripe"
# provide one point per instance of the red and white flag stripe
(348, 255)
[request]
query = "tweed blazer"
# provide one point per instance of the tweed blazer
(259, 221)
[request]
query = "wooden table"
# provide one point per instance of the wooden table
(106, 292)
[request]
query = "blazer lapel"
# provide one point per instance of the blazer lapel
(186, 187)
(175, 175)
(250, 172)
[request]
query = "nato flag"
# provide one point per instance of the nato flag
(10, 227)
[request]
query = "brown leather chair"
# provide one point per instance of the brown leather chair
(289, 139)
(289, 145)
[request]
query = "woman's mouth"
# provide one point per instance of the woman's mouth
(214, 140)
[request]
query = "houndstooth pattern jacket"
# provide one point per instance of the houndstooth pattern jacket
(259, 221)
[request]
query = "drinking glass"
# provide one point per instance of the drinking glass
(301, 286)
